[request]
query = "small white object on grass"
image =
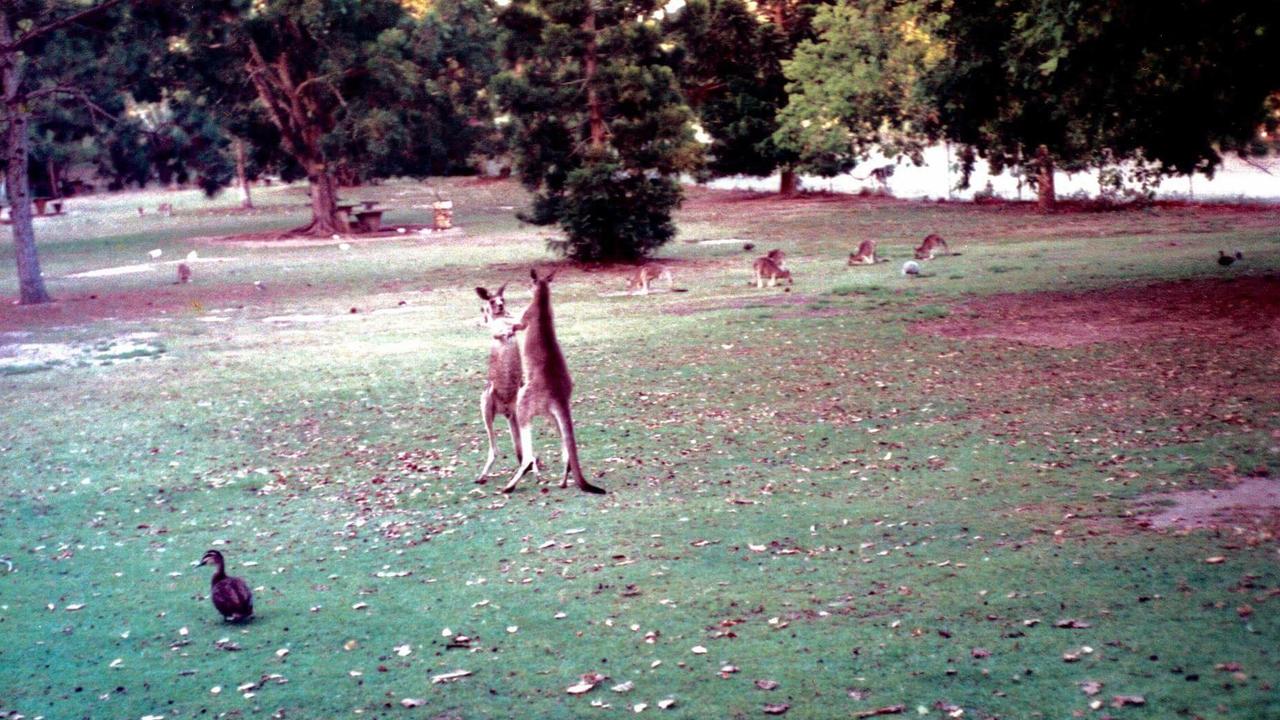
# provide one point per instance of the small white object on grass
(193, 255)
(156, 253)
(911, 267)
(344, 246)
(336, 236)
(401, 230)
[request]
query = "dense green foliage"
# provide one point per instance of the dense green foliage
(731, 75)
(859, 86)
(1098, 82)
(598, 128)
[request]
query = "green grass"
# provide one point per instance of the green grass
(804, 484)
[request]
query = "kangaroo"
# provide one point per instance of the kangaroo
(184, 273)
(644, 277)
(929, 246)
(766, 269)
(545, 388)
(778, 257)
(866, 254)
(499, 395)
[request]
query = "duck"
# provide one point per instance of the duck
(231, 596)
(1226, 260)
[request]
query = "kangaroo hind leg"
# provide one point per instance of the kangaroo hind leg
(569, 451)
(487, 413)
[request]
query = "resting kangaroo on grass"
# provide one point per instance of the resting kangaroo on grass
(499, 396)
(545, 387)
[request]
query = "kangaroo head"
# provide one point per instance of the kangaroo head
(494, 304)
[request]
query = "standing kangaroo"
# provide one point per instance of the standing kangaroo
(546, 387)
(499, 396)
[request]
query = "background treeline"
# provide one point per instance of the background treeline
(599, 106)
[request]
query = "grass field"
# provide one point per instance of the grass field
(918, 496)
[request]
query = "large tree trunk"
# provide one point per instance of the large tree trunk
(324, 201)
(1047, 198)
(30, 282)
(17, 185)
(296, 117)
(789, 182)
(242, 177)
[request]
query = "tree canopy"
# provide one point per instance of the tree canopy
(598, 126)
(859, 85)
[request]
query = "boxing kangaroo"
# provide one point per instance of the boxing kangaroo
(499, 396)
(545, 387)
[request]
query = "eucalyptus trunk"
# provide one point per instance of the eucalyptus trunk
(31, 288)
(1046, 196)
(242, 176)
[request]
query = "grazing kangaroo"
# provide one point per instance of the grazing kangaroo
(766, 269)
(546, 387)
(499, 395)
(929, 246)
(866, 254)
(644, 277)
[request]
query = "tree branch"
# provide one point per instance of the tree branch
(56, 25)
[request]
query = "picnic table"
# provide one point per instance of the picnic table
(369, 220)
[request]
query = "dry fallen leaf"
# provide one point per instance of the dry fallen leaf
(766, 684)
(886, 710)
(1072, 624)
(698, 650)
(776, 708)
(450, 676)
(623, 687)
(1118, 701)
(586, 683)
(666, 703)
(1215, 560)
(1090, 687)
(413, 702)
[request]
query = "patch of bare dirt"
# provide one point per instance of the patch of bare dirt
(1239, 311)
(1251, 504)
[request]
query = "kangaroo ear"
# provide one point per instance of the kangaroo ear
(501, 289)
(484, 294)
(533, 273)
(549, 276)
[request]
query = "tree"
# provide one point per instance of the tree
(731, 76)
(599, 129)
(48, 56)
(733, 52)
(356, 86)
(1076, 84)
(858, 85)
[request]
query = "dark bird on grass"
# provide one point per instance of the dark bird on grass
(748, 247)
(231, 595)
(1226, 260)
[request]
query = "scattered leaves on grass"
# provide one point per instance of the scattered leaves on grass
(776, 708)
(1072, 624)
(1090, 687)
